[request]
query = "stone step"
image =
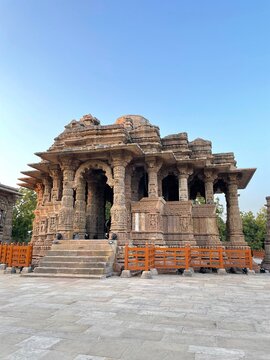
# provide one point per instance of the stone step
(75, 258)
(79, 252)
(89, 259)
(73, 276)
(82, 244)
(55, 264)
(68, 270)
(84, 241)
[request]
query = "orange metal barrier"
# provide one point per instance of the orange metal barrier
(16, 254)
(172, 258)
(258, 253)
(207, 258)
(140, 258)
(241, 258)
(149, 257)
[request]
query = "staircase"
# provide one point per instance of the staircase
(91, 259)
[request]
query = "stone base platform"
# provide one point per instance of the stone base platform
(77, 258)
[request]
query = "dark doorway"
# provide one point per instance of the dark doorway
(170, 188)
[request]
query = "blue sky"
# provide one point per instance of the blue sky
(195, 66)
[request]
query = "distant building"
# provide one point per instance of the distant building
(8, 197)
(144, 186)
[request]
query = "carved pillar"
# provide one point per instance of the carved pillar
(100, 210)
(183, 176)
(47, 188)
(118, 210)
(128, 196)
(227, 198)
(66, 211)
(234, 221)
(56, 175)
(266, 260)
(91, 209)
(80, 207)
(209, 177)
(153, 166)
(39, 189)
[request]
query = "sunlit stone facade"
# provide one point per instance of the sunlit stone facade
(126, 180)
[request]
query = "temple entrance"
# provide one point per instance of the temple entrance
(94, 199)
(99, 200)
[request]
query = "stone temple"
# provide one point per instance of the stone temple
(126, 182)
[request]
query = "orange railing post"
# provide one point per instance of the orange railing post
(146, 259)
(221, 262)
(126, 257)
(249, 259)
(10, 255)
(4, 255)
(28, 257)
(187, 255)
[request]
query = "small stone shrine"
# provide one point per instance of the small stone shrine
(8, 197)
(125, 182)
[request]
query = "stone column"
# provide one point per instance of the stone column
(47, 188)
(234, 221)
(209, 177)
(100, 210)
(228, 216)
(80, 207)
(39, 189)
(56, 175)
(66, 212)
(91, 209)
(266, 260)
(153, 166)
(128, 196)
(183, 176)
(118, 210)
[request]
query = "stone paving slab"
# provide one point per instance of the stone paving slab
(169, 317)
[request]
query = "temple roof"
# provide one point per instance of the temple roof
(9, 189)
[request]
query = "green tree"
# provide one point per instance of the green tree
(254, 228)
(23, 216)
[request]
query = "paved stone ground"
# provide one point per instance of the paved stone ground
(166, 318)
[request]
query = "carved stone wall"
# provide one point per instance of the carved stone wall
(178, 224)
(205, 225)
(147, 221)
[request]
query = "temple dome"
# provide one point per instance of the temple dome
(132, 120)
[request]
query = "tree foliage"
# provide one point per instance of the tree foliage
(254, 228)
(23, 216)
